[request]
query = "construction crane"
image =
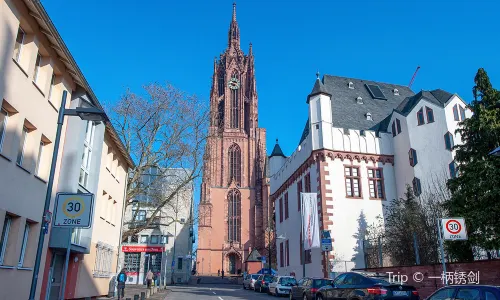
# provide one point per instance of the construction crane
(413, 78)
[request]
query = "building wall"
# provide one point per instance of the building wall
(22, 189)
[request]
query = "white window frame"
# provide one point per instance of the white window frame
(3, 126)
(38, 63)
(40, 156)
(51, 88)
(25, 244)
(5, 237)
(141, 239)
(20, 154)
(87, 154)
(164, 239)
(157, 239)
(18, 56)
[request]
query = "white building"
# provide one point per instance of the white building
(166, 245)
(363, 143)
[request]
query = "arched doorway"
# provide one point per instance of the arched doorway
(233, 263)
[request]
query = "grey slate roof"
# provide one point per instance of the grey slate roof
(253, 256)
(277, 150)
(305, 132)
(437, 97)
(319, 88)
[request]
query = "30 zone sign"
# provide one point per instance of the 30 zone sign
(74, 210)
(454, 229)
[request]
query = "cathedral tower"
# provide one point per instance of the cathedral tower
(233, 210)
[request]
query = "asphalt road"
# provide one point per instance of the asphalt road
(214, 292)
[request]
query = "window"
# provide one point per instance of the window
(489, 296)
(4, 116)
(307, 179)
(179, 263)
(281, 209)
(76, 236)
(103, 261)
(52, 83)
(140, 215)
(155, 239)
(453, 169)
(412, 156)
(420, 117)
(443, 294)
(287, 252)
(346, 131)
(462, 113)
(235, 106)
(430, 114)
(234, 216)
(24, 244)
(235, 164)
(282, 258)
(286, 206)
(87, 154)
(164, 239)
(38, 64)
(19, 44)
(369, 117)
(352, 181)
(468, 294)
(455, 113)
(351, 85)
(417, 188)
(4, 238)
(362, 133)
(134, 239)
(22, 146)
(376, 183)
(143, 239)
(398, 125)
(39, 159)
(132, 261)
(448, 141)
(394, 128)
(220, 82)
(299, 190)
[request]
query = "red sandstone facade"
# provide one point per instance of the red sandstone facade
(234, 208)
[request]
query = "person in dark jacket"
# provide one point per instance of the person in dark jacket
(122, 278)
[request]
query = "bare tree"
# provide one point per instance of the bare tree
(162, 128)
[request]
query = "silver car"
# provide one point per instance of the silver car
(282, 285)
(249, 281)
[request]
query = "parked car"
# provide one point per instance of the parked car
(249, 281)
(282, 285)
(307, 288)
(466, 292)
(262, 283)
(361, 286)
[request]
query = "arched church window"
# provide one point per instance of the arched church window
(235, 164)
(234, 85)
(221, 85)
(234, 216)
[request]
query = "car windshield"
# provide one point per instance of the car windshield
(288, 281)
(268, 278)
(255, 276)
(380, 279)
(317, 283)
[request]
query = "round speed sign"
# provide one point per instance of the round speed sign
(73, 207)
(454, 229)
(74, 210)
(453, 226)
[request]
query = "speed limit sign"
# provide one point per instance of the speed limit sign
(74, 210)
(454, 229)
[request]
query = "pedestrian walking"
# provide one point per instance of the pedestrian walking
(218, 273)
(149, 278)
(222, 274)
(122, 278)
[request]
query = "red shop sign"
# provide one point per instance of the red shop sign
(142, 249)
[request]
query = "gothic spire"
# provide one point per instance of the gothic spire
(234, 31)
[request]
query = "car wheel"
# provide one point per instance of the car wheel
(260, 290)
(291, 297)
(319, 297)
(305, 297)
(244, 287)
(276, 293)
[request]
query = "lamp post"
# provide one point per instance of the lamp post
(87, 114)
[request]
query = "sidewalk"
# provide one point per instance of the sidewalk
(131, 290)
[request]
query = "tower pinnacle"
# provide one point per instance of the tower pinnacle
(234, 31)
(234, 11)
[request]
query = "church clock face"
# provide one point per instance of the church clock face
(234, 83)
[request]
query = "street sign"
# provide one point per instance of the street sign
(454, 229)
(74, 210)
(326, 245)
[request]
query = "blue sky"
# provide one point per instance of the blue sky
(127, 44)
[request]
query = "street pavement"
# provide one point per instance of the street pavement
(213, 292)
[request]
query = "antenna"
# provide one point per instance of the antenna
(413, 78)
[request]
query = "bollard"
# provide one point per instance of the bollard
(128, 299)
(143, 295)
(136, 297)
(148, 293)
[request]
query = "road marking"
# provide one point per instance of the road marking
(220, 298)
(214, 293)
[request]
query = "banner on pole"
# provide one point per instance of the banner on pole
(310, 225)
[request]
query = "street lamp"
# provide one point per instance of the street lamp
(87, 114)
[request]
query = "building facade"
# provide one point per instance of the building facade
(166, 245)
(363, 144)
(233, 210)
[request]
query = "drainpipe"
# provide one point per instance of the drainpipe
(121, 230)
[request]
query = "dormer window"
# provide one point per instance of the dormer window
(362, 132)
(351, 85)
(396, 92)
(369, 117)
(359, 100)
(346, 131)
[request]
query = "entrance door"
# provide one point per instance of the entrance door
(232, 264)
(55, 278)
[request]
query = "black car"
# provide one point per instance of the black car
(307, 288)
(466, 292)
(262, 283)
(361, 286)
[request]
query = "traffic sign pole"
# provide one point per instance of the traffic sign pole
(66, 265)
(442, 252)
